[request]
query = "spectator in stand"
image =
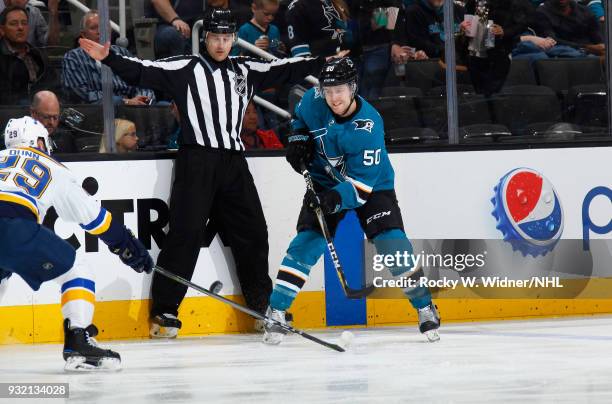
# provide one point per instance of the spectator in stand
(45, 108)
(597, 8)
(82, 76)
(318, 28)
(494, 30)
(241, 9)
(260, 31)
(376, 21)
(126, 139)
(41, 34)
(421, 27)
(175, 19)
(533, 47)
(570, 24)
(254, 138)
(23, 68)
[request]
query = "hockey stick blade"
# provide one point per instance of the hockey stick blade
(359, 293)
(246, 310)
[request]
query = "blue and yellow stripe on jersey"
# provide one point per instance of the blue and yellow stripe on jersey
(79, 289)
(21, 199)
(100, 224)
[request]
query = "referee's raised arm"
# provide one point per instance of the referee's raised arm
(162, 75)
(266, 74)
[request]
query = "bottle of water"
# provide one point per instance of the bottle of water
(400, 69)
(490, 37)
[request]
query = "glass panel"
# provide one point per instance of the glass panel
(520, 85)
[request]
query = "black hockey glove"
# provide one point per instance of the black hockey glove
(329, 201)
(133, 253)
(300, 147)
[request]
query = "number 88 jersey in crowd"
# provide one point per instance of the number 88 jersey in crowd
(31, 181)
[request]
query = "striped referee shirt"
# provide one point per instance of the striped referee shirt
(211, 96)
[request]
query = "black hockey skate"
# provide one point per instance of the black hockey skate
(81, 351)
(429, 322)
(165, 326)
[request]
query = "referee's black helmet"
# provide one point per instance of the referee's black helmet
(219, 21)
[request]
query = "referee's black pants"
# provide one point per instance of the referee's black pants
(217, 185)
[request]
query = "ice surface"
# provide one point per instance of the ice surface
(560, 360)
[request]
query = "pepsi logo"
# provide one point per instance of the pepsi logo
(528, 211)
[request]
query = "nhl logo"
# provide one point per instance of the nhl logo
(240, 84)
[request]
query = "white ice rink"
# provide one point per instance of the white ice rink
(537, 361)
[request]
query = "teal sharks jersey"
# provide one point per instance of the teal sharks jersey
(350, 154)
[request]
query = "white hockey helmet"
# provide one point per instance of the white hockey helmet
(25, 132)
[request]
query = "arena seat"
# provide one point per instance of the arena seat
(479, 132)
(587, 105)
(402, 136)
(516, 107)
(473, 109)
(521, 72)
(399, 91)
(397, 112)
(563, 74)
(423, 74)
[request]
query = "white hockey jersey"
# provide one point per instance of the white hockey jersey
(34, 180)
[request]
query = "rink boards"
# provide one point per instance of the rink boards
(442, 195)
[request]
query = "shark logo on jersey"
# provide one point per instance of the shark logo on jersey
(365, 124)
(332, 17)
(334, 162)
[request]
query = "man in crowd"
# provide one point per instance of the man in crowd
(23, 68)
(82, 77)
(41, 34)
(572, 24)
(45, 108)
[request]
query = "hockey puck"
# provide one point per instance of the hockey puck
(216, 287)
(346, 339)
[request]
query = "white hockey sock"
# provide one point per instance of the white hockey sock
(78, 294)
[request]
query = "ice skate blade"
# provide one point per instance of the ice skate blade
(432, 335)
(158, 331)
(80, 364)
(269, 339)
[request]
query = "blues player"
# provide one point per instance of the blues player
(341, 139)
(31, 182)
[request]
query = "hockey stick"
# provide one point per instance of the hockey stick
(246, 310)
(348, 291)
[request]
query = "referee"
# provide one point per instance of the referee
(212, 178)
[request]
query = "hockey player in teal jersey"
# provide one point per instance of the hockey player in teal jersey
(340, 138)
